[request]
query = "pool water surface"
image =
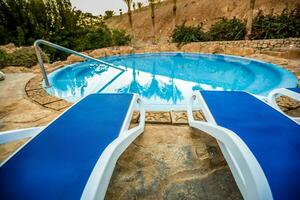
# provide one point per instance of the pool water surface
(165, 80)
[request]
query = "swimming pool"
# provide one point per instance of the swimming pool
(165, 80)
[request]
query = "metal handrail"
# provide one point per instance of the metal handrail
(64, 49)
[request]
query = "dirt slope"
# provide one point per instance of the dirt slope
(193, 12)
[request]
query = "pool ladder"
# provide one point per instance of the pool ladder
(64, 49)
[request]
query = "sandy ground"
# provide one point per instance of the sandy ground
(17, 111)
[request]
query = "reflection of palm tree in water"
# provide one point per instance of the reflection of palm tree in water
(172, 90)
(134, 86)
(155, 87)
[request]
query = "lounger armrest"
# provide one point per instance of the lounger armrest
(10, 136)
(137, 101)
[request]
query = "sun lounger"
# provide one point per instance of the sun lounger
(260, 144)
(293, 93)
(74, 156)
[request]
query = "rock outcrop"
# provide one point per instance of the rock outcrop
(2, 76)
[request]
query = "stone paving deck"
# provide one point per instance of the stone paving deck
(172, 162)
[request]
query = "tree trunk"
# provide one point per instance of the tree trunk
(153, 21)
(250, 19)
(130, 21)
(174, 13)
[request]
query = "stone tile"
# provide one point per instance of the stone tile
(179, 117)
(158, 117)
(58, 105)
(198, 115)
(41, 96)
(34, 83)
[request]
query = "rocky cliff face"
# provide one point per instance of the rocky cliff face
(193, 12)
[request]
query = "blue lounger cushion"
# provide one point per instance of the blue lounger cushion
(57, 163)
(272, 137)
(297, 90)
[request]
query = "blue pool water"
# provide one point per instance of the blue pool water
(165, 80)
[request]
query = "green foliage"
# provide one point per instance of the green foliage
(95, 38)
(285, 25)
(108, 14)
(120, 37)
(185, 34)
(227, 29)
(139, 5)
(270, 26)
(24, 21)
(3, 58)
(24, 56)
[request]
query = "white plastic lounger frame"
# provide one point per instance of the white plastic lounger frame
(246, 170)
(283, 92)
(98, 181)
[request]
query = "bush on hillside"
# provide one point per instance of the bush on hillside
(21, 57)
(285, 25)
(269, 26)
(227, 29)
(186, 34)
(97, 38)
(120, 37)
(3, 57)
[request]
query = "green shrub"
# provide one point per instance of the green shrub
(21, 57)
(186, 34)
(102, 37)
(285, 25)
(227, 29)
(120, 37)
(3, 58)
(97, 38)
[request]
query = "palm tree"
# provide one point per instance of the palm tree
(139, 5)
(250, 19)
(133, 6)
(174, 13)
(152, 7)
(129, 3)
